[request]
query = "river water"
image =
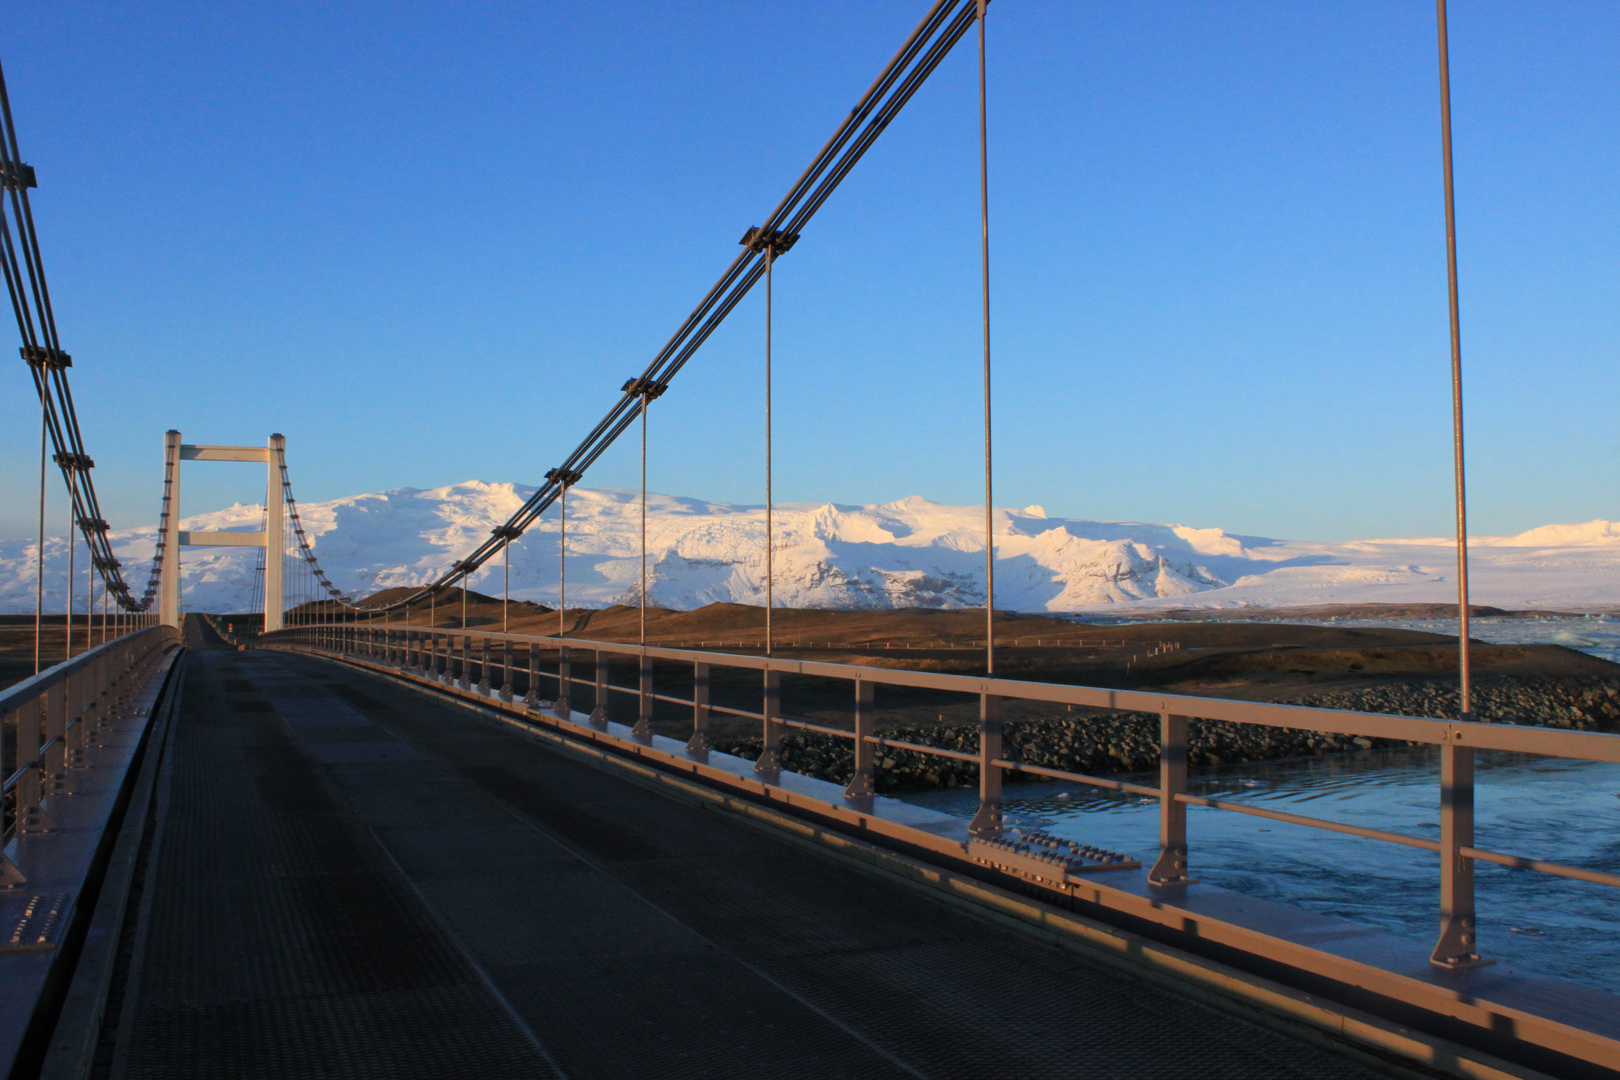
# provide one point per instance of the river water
(1598, 635)
(1555, 809)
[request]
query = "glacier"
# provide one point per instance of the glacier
(909, 553)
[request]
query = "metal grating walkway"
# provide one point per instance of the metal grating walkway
(351, 880)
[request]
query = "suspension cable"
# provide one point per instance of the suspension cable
(39, 561)
(770, 498)
(989, 476)
(48, 363)
(1466, 704)
(309, 564)
(944, 25)
(940, 30)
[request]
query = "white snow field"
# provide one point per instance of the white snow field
(910, 553)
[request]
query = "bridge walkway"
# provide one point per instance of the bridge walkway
(347, 878)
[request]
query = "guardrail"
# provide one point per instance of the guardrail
(53, 713)
(448, 656)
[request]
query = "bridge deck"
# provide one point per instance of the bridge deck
(350, 879)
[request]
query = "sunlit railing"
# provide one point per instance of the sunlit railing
(464, 658)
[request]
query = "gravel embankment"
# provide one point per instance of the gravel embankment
(1128, 742)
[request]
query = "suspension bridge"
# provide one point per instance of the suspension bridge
(369, 839)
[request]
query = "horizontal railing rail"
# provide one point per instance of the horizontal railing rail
(14, 695)
(1521, 738)
(449, 655)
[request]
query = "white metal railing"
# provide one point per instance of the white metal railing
(448, 656)
(51, 713)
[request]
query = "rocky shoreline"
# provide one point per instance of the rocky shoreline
(1103, 743)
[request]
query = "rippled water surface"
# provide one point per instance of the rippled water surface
(1564, 811)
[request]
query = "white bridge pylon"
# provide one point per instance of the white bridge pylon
(274, 455)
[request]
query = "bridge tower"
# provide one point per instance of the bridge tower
(274, 455)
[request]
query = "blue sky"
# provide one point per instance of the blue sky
(428, 242)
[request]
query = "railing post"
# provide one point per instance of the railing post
(644, 700)
(988, 817)
(506, 670)
(1171, 867)
(483, 666)
(699, 742)
(102, 704)
(73, 732)
(599, 714)
(95, 690)
(1456, 947)
(31, 816)
(531, 696)
(770, 755)
(565, 682)
(465, 681)
(52, 773)
(863, 784)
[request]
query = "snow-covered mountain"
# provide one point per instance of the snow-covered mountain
(911, 553)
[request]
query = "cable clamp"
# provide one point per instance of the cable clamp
(82, 462)
(565, 477)
(14, 176)
(642, 386)
(43, 356)
(506, 532)
(776, 241)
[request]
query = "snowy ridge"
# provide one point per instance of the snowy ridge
(910, 553)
